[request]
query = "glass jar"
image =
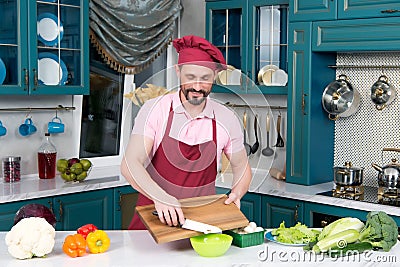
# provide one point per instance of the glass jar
(11, 169)
(47, 155)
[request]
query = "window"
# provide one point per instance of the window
(107, 116)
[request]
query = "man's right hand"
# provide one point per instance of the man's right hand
(171, 215)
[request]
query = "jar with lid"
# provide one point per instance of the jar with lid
(11, 169)
(47, 155)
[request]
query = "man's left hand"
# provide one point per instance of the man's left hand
(233, 198)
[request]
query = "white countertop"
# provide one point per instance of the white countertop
(137, 248)
(109, 177)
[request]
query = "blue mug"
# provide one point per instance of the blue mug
(3, 129)
(55, 126)
(27, 128)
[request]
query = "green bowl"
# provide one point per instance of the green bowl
(211, 245)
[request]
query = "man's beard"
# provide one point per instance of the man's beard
(195, 100)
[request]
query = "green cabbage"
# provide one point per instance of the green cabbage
(341, 225)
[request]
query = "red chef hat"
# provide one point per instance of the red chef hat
(199, 51)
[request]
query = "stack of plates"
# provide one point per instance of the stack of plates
(230, 76)
(48, 29)
(51, 69)
(271, 75)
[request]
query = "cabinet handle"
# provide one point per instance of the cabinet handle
(35, 79)
(296, 213)
(60, 210)
(119, 201)
(51, 206)
(303, 104)
(26, 79)
(390, 11)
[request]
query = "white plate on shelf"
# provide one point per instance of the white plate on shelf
(270, 237)
(3, 71)
(48, 29)
(279, 78)
(265, 74)
(51, 69)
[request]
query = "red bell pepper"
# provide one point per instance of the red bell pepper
(86, 229)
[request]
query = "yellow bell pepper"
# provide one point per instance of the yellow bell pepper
(98, 241)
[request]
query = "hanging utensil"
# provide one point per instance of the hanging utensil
(268, 151)
(279, 141)
(246, 145)
(256, 145)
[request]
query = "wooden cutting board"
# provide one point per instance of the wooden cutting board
(206, 209)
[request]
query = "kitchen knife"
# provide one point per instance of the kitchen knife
(197, 226)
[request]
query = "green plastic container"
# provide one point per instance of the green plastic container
(246, 240)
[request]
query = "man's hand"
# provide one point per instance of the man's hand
(171, 215)
(233, 198)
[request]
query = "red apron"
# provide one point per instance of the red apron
(182, 170)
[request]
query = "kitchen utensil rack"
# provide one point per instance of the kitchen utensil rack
(30, 109)
(366, 66)
(254, 106)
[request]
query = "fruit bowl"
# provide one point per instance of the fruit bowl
(74, 170)
(211, 245)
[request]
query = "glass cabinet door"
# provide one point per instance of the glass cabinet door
(269, 47)
(43, 47)
(226, 35)
(59, 46)
(13, 58)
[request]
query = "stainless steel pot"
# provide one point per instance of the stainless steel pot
(340, 99)
(382, 93)
(389, 175)
(348, 175)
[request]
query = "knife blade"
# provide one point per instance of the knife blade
(197, 226)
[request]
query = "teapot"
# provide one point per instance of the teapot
(389, 175)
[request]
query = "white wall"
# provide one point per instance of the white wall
(13, 144)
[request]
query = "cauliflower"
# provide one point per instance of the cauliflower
(30, 237)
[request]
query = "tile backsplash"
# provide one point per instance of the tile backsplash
(361, 137)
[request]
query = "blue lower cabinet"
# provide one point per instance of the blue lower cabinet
(8, 210)
(277, 209)
(319, 215)
(75, 210)
(250, 205)
(125, 198)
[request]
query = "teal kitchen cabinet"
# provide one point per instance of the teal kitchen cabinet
(317, 10)
(44, 47)
(251, 34)
(75, 210)
(277, 209)
(250, 204)
(8, 211)
(318, 215)
(125, 198)
(308, 160)
(312, 10)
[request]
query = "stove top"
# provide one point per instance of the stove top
(368, 194)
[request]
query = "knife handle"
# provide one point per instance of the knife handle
(155, 213)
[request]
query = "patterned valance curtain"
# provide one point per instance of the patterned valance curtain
(130, 34)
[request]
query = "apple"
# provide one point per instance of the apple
(72, 161)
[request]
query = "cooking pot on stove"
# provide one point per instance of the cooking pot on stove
(340, 99)
(389, 175)
(348, 175)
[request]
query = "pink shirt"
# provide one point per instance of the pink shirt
(152, 118)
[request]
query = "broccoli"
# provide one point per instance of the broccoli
(380, 230)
